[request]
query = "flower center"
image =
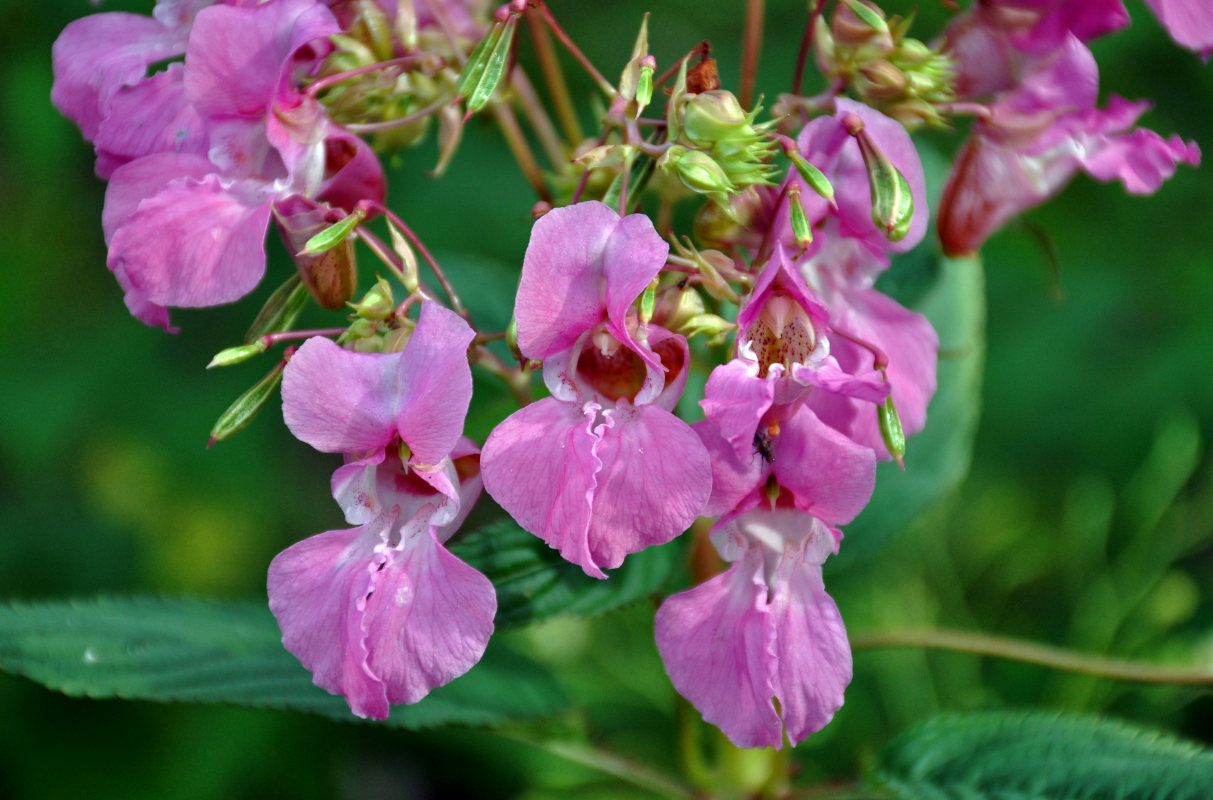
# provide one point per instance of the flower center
(609, 368)
(782, 334)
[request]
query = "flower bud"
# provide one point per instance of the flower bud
(699, 173)
(710, 117)
(675, 306)
(880, 80)
(234, 355)
(323, 252)
(801, 229)
(859, 23)
(890, 430)
(280, 310)
(711, 325)
(892, 202)
(377, 304)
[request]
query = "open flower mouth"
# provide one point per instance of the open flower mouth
(610, 369)
(782, 334)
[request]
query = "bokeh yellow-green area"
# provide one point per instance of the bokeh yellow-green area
(1086, 521)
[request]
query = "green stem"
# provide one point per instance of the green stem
(1033, 653)
(608, 763)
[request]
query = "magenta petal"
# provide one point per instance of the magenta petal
(435, 384)
(317, 591)
(195, 243)
(97, 55)
(632, 258)
(149, 117)
(1141, 159)
(831, 476)
(428, 620)
(539, 465)
(340, 401)
(1190, 22)
(237, 56)
(718, 646)
(828, 376)
(732, 479)
(735, 400)
(655, 480)
(560, 294)
(813, 663)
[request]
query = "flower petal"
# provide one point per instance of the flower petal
(539, 465)
(813, 656)
(152, 116)
(560, 294)
(194, 243)
(735, 399)
(655, 480)
(428, 619)
(830, 475)
(718, 645)
(317, 590)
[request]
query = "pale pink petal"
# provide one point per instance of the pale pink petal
(830, 476)
(1190, 22)
(97, 55)
(780, 274)
(428, 619)
(194, 243)
(735, 400)
(237, 57)
(560, 293)
(813, 661)
(539, 465)
(340, 401)
(139, 180)
(719, 649)
(655, 480)
(151, 116)
(317, 590)
(1140, 159)
(633, 256)
(435, 384)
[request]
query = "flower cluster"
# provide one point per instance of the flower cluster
(210, 119)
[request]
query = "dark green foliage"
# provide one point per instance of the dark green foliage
(1041, 756)
(534, 583)
(192, 650)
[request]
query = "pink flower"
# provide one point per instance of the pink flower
(783, 354)
(601, 468)
(382, 613)
(185, 217)
(1038, 137)
(763, 630)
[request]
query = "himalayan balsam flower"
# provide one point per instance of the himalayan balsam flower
(1039, 136)
(601, 468)
(382, 613)
(766, 629)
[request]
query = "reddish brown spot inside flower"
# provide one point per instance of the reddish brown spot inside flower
(782, 334)
(671, 358)
(611, 369)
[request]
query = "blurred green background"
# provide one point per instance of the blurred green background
(1086, 520)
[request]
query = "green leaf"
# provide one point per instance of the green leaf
(198, 651)
(951, 293)
(1040, 756)
(534, 583)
